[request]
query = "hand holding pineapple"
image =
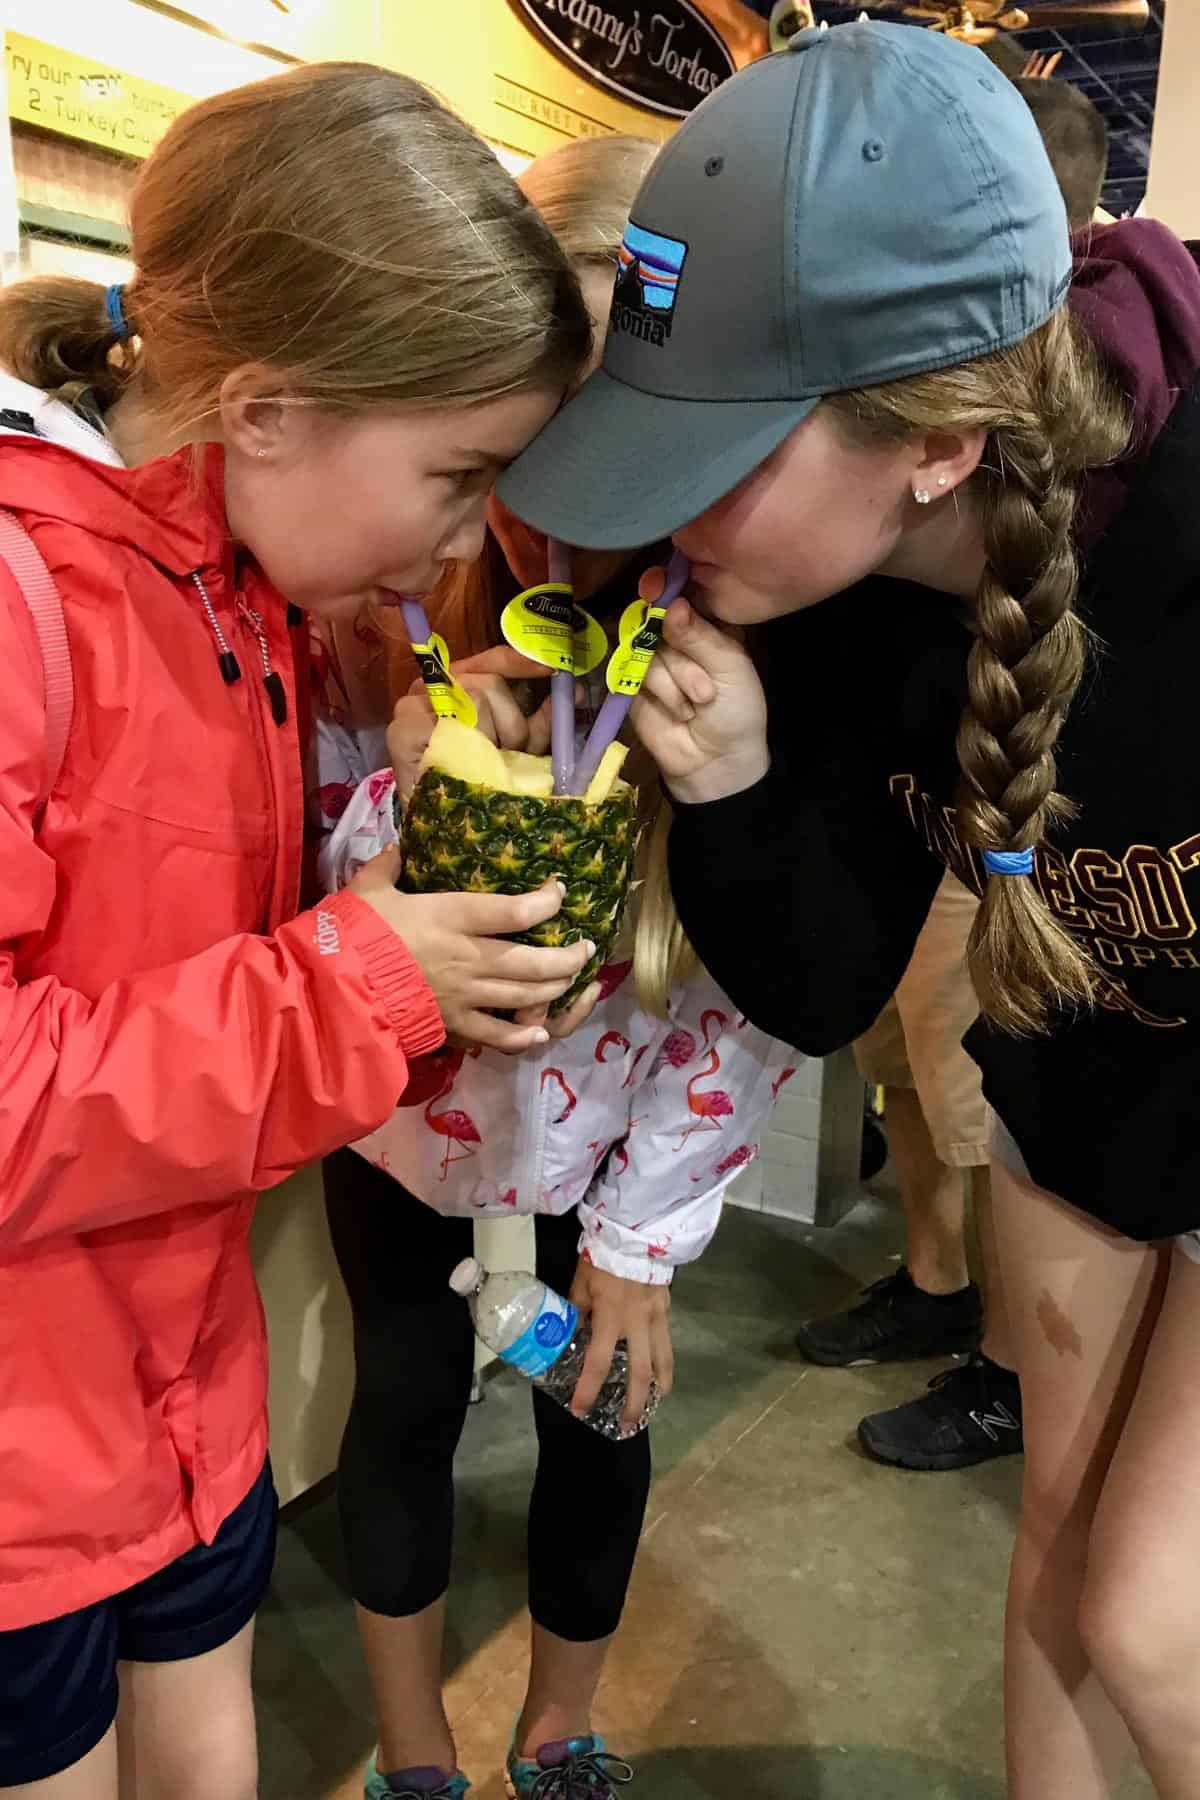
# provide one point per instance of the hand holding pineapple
(702, 713)
(462, 944)
(484, 821)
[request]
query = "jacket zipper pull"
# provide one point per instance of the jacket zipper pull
(227, 662)
(273, 683)
(277, 695)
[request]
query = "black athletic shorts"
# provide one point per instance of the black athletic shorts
(58, 1681)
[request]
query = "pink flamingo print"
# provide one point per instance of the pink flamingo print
(618, 1037)
(431, 1077)
(453, 1124)
(611, 976)
(570, 1098)
(707, 1109)
(784, 1075)
(737, 1159)
(334, 798)
(678, 1048)
(658, 1247)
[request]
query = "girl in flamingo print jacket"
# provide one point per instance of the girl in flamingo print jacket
(636, 1122)
(619, 1136)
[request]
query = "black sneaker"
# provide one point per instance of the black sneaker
(897, 1322)
(970, 1414)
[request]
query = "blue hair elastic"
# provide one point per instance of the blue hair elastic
(1008, 862)
(116, 312)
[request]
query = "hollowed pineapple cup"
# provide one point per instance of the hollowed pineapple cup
(461, 836)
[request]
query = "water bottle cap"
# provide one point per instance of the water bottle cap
(468, 1278)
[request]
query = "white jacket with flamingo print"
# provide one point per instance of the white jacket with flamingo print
(638, 1121)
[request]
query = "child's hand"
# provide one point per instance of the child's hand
(641, 1315)
(561, 1025)
(487, 679)
(459, 941)
(408, 738)
(702, 713)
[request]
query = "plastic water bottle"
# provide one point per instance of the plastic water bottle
(535, 1330)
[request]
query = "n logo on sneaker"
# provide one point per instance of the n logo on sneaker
(994, 1422)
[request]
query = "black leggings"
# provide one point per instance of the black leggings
(414, 1359)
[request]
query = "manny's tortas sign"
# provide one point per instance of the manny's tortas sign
(80, 98)
(661, 55)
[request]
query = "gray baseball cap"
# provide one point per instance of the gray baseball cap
(873, 202)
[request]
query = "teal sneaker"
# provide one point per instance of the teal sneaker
(415, 1784)
(577, 1769)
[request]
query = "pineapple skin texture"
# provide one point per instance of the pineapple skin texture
(460, 837)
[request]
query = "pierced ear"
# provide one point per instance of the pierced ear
(254, 417)
(949, 458)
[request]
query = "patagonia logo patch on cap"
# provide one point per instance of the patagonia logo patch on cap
(648, 276)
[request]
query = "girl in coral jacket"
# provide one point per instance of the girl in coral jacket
(344, 319)
(621, 1139)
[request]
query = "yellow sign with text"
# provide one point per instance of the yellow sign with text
(80, 98)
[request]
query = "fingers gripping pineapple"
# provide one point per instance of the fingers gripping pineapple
(485, 820)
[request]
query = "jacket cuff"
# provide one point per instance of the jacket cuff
(647, 1271)
(393, 972)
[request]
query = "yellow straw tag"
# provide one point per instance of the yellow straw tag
(545, 624)
(639, 635)
(448, 698)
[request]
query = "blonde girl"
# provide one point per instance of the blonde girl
(344, 320)
(620, 1139)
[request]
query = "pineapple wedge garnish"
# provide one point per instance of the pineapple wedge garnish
(468, 755)
(602, 782)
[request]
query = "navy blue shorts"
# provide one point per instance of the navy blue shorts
(58, 1681)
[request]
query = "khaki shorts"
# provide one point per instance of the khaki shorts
(916, 1042)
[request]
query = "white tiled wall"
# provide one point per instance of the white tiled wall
(784, 1179)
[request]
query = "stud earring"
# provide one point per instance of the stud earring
(261, 453)
(922, 496)
(943, 480)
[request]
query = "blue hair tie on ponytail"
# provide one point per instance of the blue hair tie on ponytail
(116, 312)
(1008, 862)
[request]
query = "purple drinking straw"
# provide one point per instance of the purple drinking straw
(562, 688)
(415, 621)
(613, 713)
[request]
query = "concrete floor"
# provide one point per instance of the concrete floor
(804, 1625)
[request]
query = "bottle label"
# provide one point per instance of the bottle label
(539, 1348)
(544, 623)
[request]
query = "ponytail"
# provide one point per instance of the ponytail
(56, 333)
(1050, 416)
(1022, 673)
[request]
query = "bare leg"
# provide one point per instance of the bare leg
(1141, 1607)
(563, 1679)
(997, 1330)
(94, 1777)
(933, 1198)
(404, 1662)
(1083, 1305)
(185, 1730)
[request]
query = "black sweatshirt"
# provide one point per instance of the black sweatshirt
(804, 895)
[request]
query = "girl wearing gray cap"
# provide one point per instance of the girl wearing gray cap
(841, 370)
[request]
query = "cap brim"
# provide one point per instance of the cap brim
(618, 468)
